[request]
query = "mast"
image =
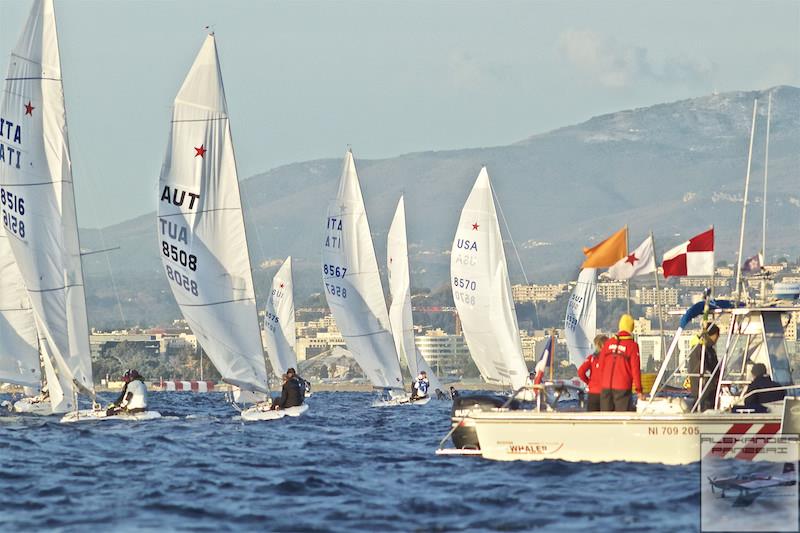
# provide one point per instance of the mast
(738, 289)
(764, 200)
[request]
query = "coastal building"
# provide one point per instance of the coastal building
(445, 353)
(612, 290)
(649, 296)
(538, 293)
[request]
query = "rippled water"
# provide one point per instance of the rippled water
(344, 466)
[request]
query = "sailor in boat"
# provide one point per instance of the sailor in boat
(133, 398)
(619, 367)
(305, 384)
(420, 387)
(705, 345)
(755, 402)
(589, 373)
(292, 392)
(440, 395)
(453, 393)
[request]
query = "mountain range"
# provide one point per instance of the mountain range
(673, 168)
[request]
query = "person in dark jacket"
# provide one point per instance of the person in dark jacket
(292, 393)
(709, 340)
(620, 369)
(762, 381)
(589, 373)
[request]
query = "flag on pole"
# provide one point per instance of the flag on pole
(639, 262)
(694, 257)
(752, 265)
(544, 362)
(608, 252)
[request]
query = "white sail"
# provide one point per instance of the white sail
(482, 291)
(38, 199)
(19, 343)
(279, 332)
(580, 324)
(400, 316)
(201, 230)
(353, 284)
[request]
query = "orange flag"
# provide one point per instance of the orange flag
(607, 252)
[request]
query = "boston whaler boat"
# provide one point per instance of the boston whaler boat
(663, 430)
(38, 204)
(202, 237)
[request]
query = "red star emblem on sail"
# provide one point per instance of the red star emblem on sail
(281, 285)
(200, 151)
(632, 259)
(29, 108)
(475, 226)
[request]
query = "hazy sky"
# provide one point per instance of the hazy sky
(304, 79)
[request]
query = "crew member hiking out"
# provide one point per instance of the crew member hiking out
(292, 392)
(619, 368)
(589, 373)
(133, 398)
(419, 389)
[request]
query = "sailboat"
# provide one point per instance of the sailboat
(580, 323)
(400, 316)
(202, 240)
(279, 329)
(38, 205)
(482, 290)
(354, 291)
(19, 339)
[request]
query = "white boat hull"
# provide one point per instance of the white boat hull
(259, 413)
(91, 415)
(603, 437)
(392, 402)
(29, 407)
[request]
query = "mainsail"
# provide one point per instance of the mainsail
(580, 324)
(353, 284)
(400, 315)
(482, 291)
(201, 230)
(19, 344)
(279, 332)
(38, 200)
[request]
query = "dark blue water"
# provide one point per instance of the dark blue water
(344, 466)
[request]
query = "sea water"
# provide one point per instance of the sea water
(344, 466)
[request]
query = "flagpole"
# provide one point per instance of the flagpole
(552, 351)
(764, 201)
(659, 306)
(627, 281)
(713, 272)
(738, 289)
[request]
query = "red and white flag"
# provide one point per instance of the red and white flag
(695, 257)
(639, 262)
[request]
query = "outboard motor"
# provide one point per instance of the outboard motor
(464, 436)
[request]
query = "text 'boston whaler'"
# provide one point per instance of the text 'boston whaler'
(354, 291)
(41, 227)
(202, 237)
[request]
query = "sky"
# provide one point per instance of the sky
(304, 79)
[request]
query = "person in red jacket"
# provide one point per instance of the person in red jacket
(589, 373)
(619, 364)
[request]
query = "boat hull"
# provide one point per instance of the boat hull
(400, 401)
(605, 437)
(258, 413)
(91, 415)
(28, 407)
